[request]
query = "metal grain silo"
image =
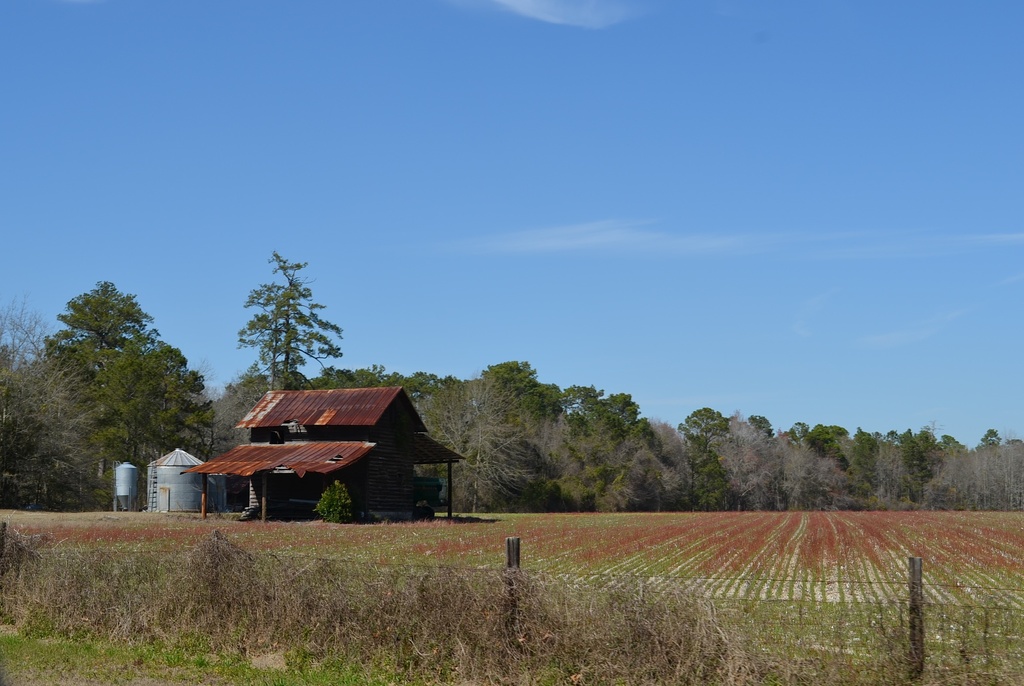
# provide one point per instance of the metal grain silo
(126, 486)
(171, 491)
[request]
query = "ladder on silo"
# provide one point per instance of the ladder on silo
(151, 488)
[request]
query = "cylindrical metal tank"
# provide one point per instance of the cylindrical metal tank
(126, 486)
(170, 490)
(177, 492)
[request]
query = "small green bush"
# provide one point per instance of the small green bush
(335, 504)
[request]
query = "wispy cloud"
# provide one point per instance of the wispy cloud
(914, 332)
(588, 14)
(1016, 278)
(993, 239)
(612, 236)
(642, 238)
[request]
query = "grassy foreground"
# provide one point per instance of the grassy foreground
(151, 600)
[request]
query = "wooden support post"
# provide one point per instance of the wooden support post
(916, 612)
(263, 500)
(206, 485)
(449, 490)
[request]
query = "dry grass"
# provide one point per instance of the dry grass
(451, 625)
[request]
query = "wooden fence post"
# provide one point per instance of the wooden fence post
(916, 611)
(511, 553)
(511, 575)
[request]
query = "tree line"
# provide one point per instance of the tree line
(103, 388)
(531, 446)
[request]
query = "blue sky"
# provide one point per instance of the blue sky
(809, 210)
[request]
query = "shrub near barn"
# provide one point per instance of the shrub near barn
(335, 504)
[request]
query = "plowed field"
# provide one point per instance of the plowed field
(799, 556)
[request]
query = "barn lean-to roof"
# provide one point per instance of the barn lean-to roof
(428, 451)
(333, 407)
(315, 457)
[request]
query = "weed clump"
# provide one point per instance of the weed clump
(17, 549)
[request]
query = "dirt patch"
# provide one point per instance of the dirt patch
(270, 661)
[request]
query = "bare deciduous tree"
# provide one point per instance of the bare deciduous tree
(754, 461)
(811, 482)
(471, 418)
(41, 420)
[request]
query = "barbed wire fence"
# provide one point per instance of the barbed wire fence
(913, 620)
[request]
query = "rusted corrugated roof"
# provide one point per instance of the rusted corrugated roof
(334, 407)
(318, 457)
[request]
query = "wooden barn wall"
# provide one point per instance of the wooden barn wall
(390, 466)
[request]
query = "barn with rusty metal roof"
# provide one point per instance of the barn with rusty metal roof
(369, 439)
